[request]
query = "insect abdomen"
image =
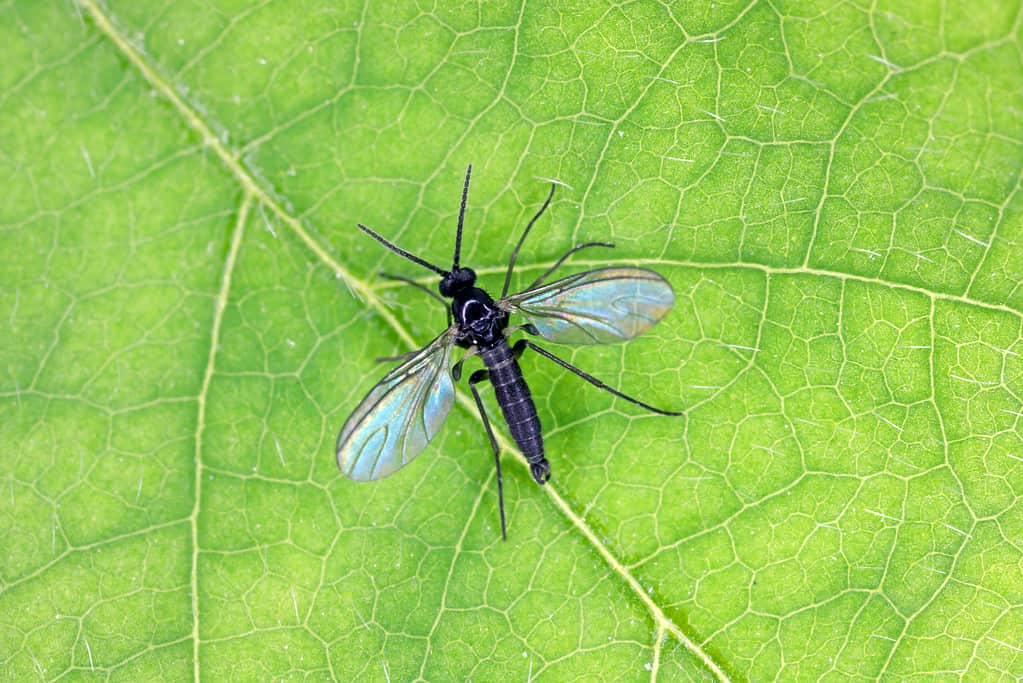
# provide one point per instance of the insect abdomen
(517, 406)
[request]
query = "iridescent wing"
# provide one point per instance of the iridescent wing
(600, 306)
(400, 414)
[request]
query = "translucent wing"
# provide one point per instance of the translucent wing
(601, 306)
(400, 414)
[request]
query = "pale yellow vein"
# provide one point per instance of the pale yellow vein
(219, 304)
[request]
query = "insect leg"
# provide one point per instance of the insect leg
(417, 285)
(515, 252)
(557, 264)
(474, 379)
(509, 331)
(456, 369)
(526, 344)
(421, 287)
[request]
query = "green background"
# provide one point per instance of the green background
(188, 314)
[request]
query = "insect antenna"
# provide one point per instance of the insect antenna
(515, 253)
(401, 252)
(461, 218)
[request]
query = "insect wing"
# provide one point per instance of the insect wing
(600, 306)
(399, 416)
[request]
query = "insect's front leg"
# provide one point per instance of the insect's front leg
(579, 247)
(474, 379)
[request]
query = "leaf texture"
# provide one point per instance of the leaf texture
(189, 315)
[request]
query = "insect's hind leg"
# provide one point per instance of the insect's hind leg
(523, 344)
(474, 379)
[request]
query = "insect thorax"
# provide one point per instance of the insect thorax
(480, 322)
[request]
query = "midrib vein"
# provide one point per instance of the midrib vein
(253, 191)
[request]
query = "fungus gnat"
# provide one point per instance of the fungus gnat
(407, 407)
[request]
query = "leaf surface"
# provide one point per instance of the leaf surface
(189, 315)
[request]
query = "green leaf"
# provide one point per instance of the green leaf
(188, 315)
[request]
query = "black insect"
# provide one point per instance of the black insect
(407, 407)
